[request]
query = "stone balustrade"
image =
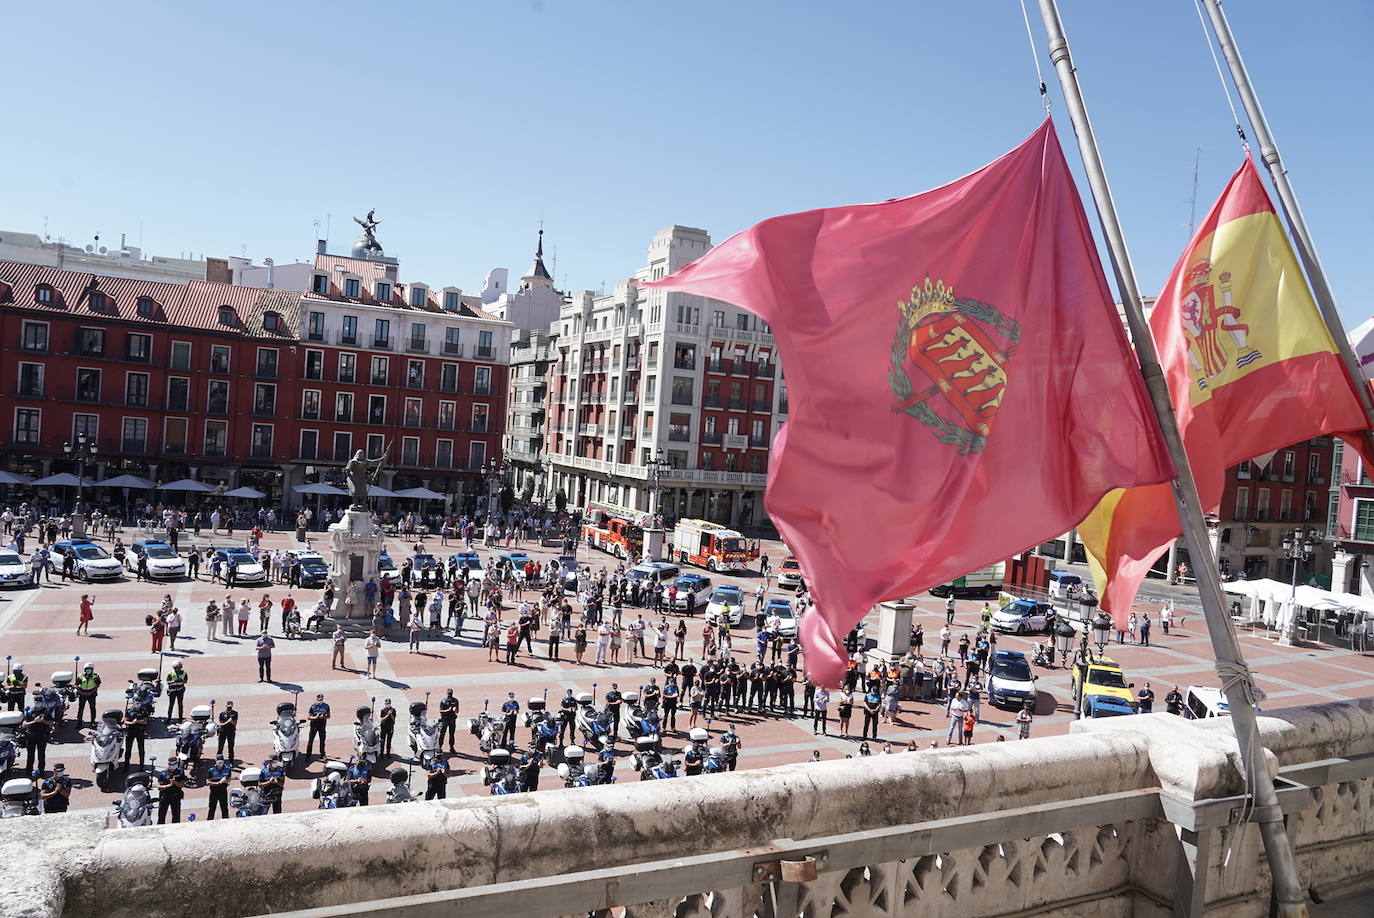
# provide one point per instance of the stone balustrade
(1128, 816)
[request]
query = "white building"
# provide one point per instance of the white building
(95, 258)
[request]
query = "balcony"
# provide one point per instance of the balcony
(714, 365)
(631, 397)
(736, 404)
(478, 427)
(264, 411)
(681, 363)
(347, 340)
(380, 344)
(762, 406)
(417, 346)
(453, 349)
(415, 383)
(484, 352)
(711, 438)
(260, 451)
(766, 370)
(589, 430)
(682, 398)
(136, 400)
(758, 442)
(740, 368)
(627, 432)
(33, 347)
(379, 379)
(712, 401)
(30, 390)
(133, 446)
(265, 373)
(679, 434)
(481, 390)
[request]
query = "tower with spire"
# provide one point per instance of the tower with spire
(538, 275)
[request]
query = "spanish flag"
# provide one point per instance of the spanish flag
(1251, 368)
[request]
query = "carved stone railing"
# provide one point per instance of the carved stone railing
(1132, 816)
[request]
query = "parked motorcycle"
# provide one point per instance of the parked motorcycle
(19, 797)
(286, 733)
(332, 789)
(490, 731)
(424, 734)
(500, 775)
(367, 739)
(105, 739)
(10, 740)
(136, 807)
(191, 736)
(248, 800)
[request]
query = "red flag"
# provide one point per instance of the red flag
(960, 382)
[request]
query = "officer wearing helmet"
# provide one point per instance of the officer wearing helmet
(15, 687)
(87, 687)
(176, 690)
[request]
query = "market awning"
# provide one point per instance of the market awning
(245, 492)
(126, 481)
(187, 484)
(319, 488)
(418, 494)
(13, 478)
(63, 479)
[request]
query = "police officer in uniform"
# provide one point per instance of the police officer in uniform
(1146, 697)
(37, 727)
(448, 720)
(171, 784)
(359, 779)
(273, 783)
(217, 778)
(529, 770)
(436, 778)
(567, 715)
(730, 745)
(386, 722)
(87, 686)
(692, 760)
(228, 729)
(511, 710)
(135, 724)
(671, 696)
(613, 703)
(55, 791)
(176, 690)
(1174, 702)
(652, 695)
(318, 716)
(16, 687)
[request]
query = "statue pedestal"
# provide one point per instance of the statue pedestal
(355, 543)
(654, 539)
(894, 631)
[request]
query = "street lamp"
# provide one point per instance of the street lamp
(1298, 546)
(658, 467)
(1064, 633)
(1102, 629)
(82, 450)
(495, 474)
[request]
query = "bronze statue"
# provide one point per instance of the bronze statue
(358, 472)
(369, 223)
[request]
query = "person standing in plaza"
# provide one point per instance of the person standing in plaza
(956, 708)
(193, 563)
(336, 661)
(173, 628)
(1146, 697)
(264, 646)
(416, 630)
(211, 621)
(945, 635)
(820, 704)
(245, 612)
(1145, 629)
(158, 630)
(1133, 625)
(318, 719)
(177, 680)
(217, 779)
(1023, 721)
(87, 613)
(228, 729)
(386, 723)
(448, 720)
(372, 645)
(949, 610)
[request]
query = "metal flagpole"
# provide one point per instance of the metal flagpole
(1237, 683)
(1288, 200)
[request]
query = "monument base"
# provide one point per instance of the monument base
(356, 544)
(894, 631)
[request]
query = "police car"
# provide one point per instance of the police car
(697, 586)
(727, 594)
(163, 560)
(517, 559)
(314, 570)
(386, 568)
(468, 561)
(568, 567)
(787, 618)
(646, 575)
(14, 570)
(1010, 681)
(1022, 616)
(247, 569)
(89, 560)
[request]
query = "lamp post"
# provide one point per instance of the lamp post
(495, 474)
(1102, 629)
(1298, 546)
(1064, 633)
(658, 466)
(82, 449)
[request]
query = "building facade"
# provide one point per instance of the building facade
(642, 370)
(1350, 526)
(532, 358)
(94, 258)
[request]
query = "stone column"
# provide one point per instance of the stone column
(1340, 570)
(894, 630)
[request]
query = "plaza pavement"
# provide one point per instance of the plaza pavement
(37, 627)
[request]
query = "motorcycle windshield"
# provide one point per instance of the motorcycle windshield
(287, 726)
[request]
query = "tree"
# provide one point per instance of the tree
(560, 500)
(507, 498)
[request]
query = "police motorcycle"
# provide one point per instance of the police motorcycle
(50, 702)
(399, 792)
(146, 690)
(595, 726)
(136, 808)
(286, 734)
(247, 800)
(19, 797)
(64, 686)
(543, 728)
(694, 756)
(715, 762)
(11, 723)
(642, 723)
(332, 789)
(191, 735)
(500, 774)
(572, 771)
(424, 734)
(490, 731)
(105, 739)
(649, 761)
(367, 739)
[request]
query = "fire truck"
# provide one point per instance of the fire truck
(616, 530)
(711, 546)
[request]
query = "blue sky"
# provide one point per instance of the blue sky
(220, 126)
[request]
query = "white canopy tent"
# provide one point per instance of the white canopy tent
(1274, 602)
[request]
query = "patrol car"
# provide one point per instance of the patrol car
(163, 560)
(646, 575)
(697, 586)
(14, 570)
(568, 568)
(1010, 681)
(1022, 616)
(517, 559)
(386, 568)
(89, 560)
(727, 594)
(468, 561)
(247, 569)
(787, 618)
(314, 569)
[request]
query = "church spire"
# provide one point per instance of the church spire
(537, 270)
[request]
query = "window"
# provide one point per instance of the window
(484, 348)
(321, 285)
(348, 367)
(708, 460)
(219, 358)
(451, 341)
(343, 407)
(756, 464)
(731, 461)
(419, 296)
(682, 390)
(135, 435)
(310, 405)
(34, 336)
(136, 389)
(650, 389)
(732, 426)
(139, 347)
(443, 454)
(310, 444)
(680, 427)
(87, 425)
(451, 302)
(1242, 504)
(379, 371)
(417, 336)
(352, 288)
(28, 425)
(448, 378)
(271, 321)
(348, 333)
(1286, 505)
(90, 342)
(1262, 504)
(226, 316)
(375, 445)
(685, 356)
(718, 318)
(381, 333)
(343, 446)
(144, 306)
(178, 393)
(267, 362)
(1364, 520)
(31, 380)
(410, 451)
(742, 321)
(412, 413)
(217, 396)
(181, 355)
(376, 409)
(447, 415)
(479, 418)
(216, 437)
(756, 433)
(415, 374)
(88, 385)
(1314, 469)
(482, 382)
(262, 441)
(264, 399)
(174, 434)
(97, 301)
(314, 327)
(1289, 463)
(314, 364)
(477, 454)
(383, 293)
(42, 293)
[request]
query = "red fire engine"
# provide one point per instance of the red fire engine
(712, 546)
(616, 530)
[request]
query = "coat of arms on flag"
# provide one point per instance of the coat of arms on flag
(963, 348)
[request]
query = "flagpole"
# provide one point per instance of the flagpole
(1236, 680)
(1288, 200)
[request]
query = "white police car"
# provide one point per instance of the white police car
(247, 569)
(780, 609)
(1022, 616)
(14, 570)
(1010, 681)
(163, 560)
(470, 562)
(697, 586)
(89, 560)
(727, 594)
